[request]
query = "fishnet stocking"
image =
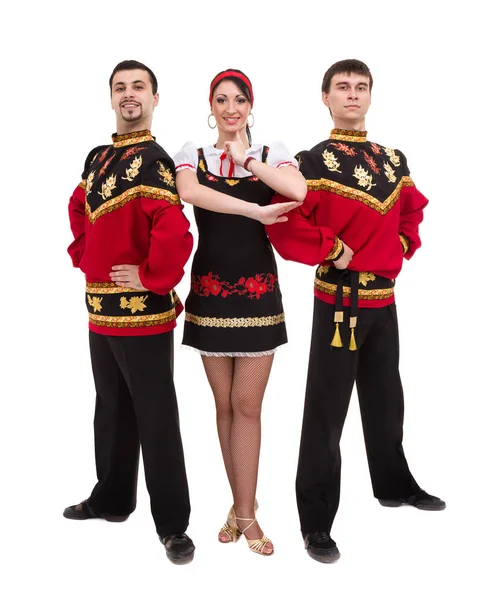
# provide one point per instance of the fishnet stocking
(238, 386)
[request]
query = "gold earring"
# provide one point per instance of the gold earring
(211, 127)
(251, 115)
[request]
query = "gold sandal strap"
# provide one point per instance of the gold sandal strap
(246, 519)
(259, 545)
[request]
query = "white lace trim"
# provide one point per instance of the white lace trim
(232, 354)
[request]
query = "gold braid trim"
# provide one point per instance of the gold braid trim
(330, 288)
(82, 184)
(112, 288)
(404, 242)
(107, 288)
(131, 321)
(337, 248)
(139, 191)
(347, 135)
(235, 322)
(349, 192)
(136, 140)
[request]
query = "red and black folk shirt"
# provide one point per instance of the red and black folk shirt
(361, 193)
(126, 210)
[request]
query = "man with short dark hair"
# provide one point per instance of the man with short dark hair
(358, 222)
(132, 240)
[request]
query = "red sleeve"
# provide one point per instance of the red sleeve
(170, 246)
(76, 212)
(300, 238)
(412, 206)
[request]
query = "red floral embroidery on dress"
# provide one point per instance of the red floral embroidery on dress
(103, 154)
(253, 179)
(105, 166)
(375, 148)
(371, 162)
(255, 287)
(131, 151)
(348, 150)
(211, 178)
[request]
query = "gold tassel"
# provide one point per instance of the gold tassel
(352, 341)
(336, 341)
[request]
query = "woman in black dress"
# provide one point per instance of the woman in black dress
(234, 314)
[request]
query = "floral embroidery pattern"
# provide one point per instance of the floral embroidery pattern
(331, 161)
(134, 169)
(255, 287)
(322, 269)
(105, 166)
(103, 154)
(89, 182)
(375, 148)
(364, 178)
(95, 303)
(393, 157)
(131, 151)
(348, 150)
(135, 303)
(231, 182)
(166, 175)
(365, 277)
(107, 187)
(201, 165)
(371, 162)
(389, 171)
(211, 178)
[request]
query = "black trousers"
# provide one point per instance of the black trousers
(374, 366)
(136, 405)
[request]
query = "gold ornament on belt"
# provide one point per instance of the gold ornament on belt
(365, 277)
(135, 303)
(95, 302)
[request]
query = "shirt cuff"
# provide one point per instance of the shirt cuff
(404, 242)
(337, 251)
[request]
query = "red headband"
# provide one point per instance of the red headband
(236, 74)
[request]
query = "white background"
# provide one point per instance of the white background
(56, 63)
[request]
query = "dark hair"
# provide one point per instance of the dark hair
(242, 86)
(129, 65)
(350, 65)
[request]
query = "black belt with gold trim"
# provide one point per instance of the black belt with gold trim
(354, 285)
(112, 306)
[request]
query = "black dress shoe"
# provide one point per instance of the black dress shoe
(321, 547)
(421, 500)
(179, 548)
(82, 511)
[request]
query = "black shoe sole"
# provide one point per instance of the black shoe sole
(324, 559)
(81, 516)
(397, 503)
(391, 503)
(183, 560)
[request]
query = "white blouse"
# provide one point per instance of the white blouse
(187, 158)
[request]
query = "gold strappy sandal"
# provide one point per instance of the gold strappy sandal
(231, 528)
(257, 545)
